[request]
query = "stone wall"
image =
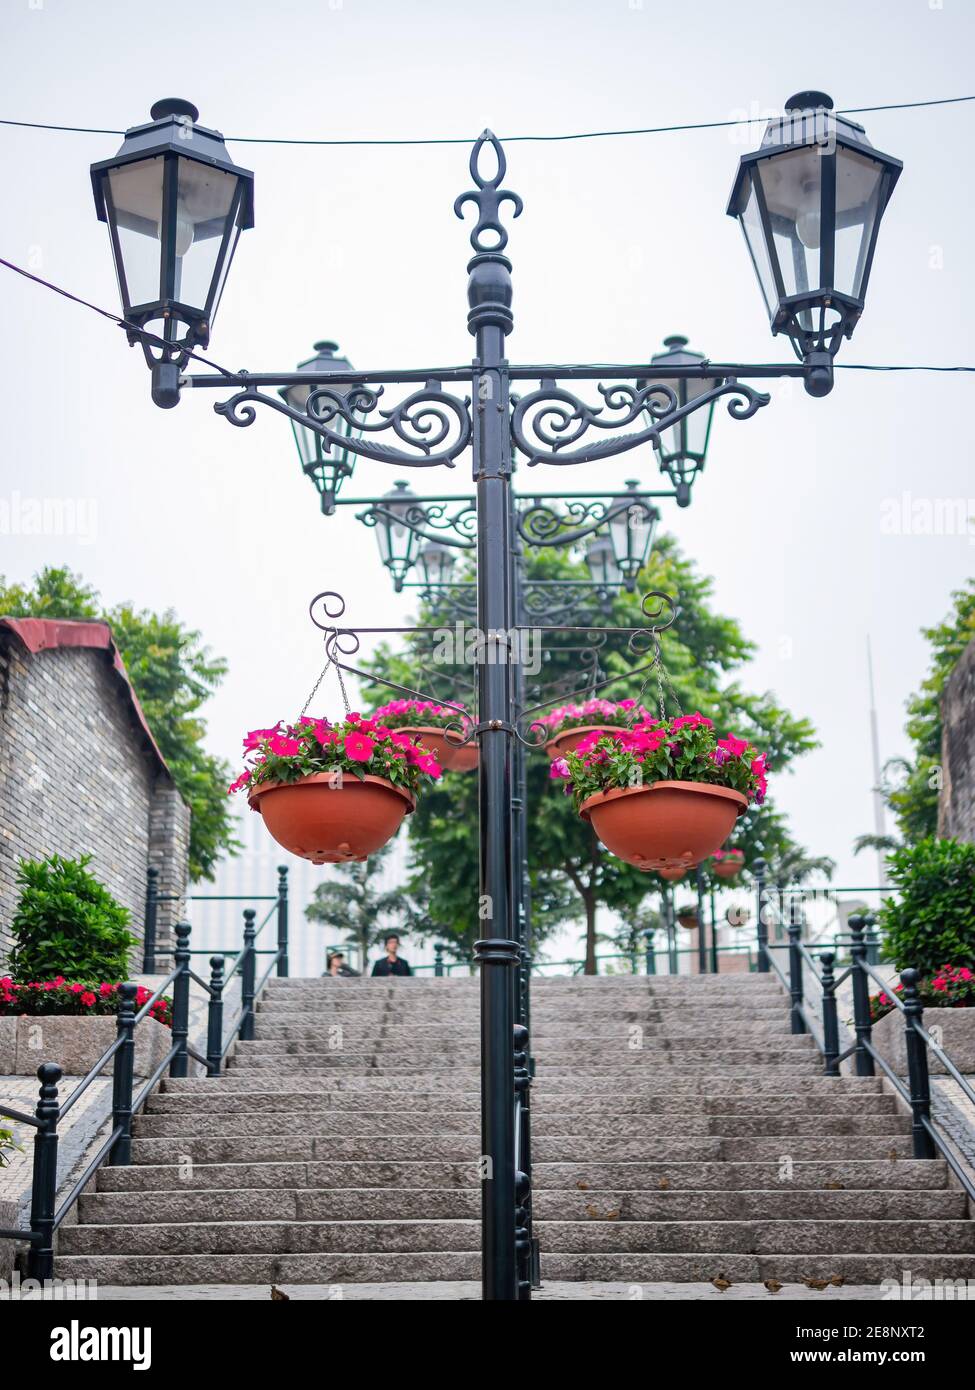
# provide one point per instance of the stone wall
(79, 776)
(956, 805)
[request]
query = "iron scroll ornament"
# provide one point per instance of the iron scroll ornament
(655, 604)
(430, 420)
(431, 521)
(345, 641)
(555, 419)
(539, 525)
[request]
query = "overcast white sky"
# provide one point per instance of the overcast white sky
(622, 242)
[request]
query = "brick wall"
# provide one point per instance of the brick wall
(77, 776)
(956, 805)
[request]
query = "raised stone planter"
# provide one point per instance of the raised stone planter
(74, 1043)
(8, 1218)
(954, 1029)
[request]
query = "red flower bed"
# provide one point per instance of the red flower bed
(60, 996)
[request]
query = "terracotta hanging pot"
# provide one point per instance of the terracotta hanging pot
(728, 867)
(331, 821)
(666, 825)
(569, 739)
(672, 875)
(452, 756)
(687, 919)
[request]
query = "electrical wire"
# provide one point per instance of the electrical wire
(554, 366)
(143, 333)
(507, 139)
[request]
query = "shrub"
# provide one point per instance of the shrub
(8, 1144)
(934, 918)
(951, 987)
(67, 922)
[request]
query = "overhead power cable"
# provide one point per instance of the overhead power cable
(505, 139)
(224, 371)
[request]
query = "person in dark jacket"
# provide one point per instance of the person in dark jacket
(392, 963)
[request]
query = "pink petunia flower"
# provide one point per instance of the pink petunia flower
(358, 747)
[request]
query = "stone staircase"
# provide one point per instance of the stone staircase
(680, 1134)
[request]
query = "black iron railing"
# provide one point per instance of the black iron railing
(46, 1215)
(824, 1029)
(526, 1242)
(150, 946)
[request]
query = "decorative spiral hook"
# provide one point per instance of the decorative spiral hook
(330, 601)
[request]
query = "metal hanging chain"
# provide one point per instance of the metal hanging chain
(316, 686)
(657, 665)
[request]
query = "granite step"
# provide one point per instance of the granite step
(859, 1175)
(761, 1236)
(548, 1204)
(618, 1103)
(545, 1123)
(546, 1148)
(740, 1084)
(424, 1266)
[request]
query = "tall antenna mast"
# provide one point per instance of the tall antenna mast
(879, 810)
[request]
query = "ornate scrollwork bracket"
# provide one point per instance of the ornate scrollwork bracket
(429, 420)
(547, 422)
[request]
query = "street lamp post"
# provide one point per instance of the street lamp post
(175, 205)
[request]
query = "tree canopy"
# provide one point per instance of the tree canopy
(571, 876)
(173, 674)
(912, 784)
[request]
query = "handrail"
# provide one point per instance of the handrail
(89, 1172)
(46, 1216)
(927, 1141)
(154, 998)
(89, 1077)
(9, 1113)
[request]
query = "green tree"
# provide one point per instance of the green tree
(571, 877)
(173, 674)
(913, 783)
(357, 905)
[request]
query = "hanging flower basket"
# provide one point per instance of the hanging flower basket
(433, 727)
(333, 793)
(663, 795)
(571, 724)
(687, 918)
(727, 863)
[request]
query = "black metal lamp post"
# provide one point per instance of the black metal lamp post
(436, 562)
(175, 205)
(396, 538)
(546, 422)
(631, 524)
(683, 448)
(328, 464)
(810, 201)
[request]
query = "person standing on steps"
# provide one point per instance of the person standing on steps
(392, 963)
(335, 965)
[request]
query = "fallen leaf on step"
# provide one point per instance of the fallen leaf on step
(721, 1283)
(664, 1183)
(816, 1283)
(838, 1280)
(592, 1211)
(583, 1186)
(277, 1296)
(833, 1186)
(612, 1215)
(893, 1154)
(772, 1285)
